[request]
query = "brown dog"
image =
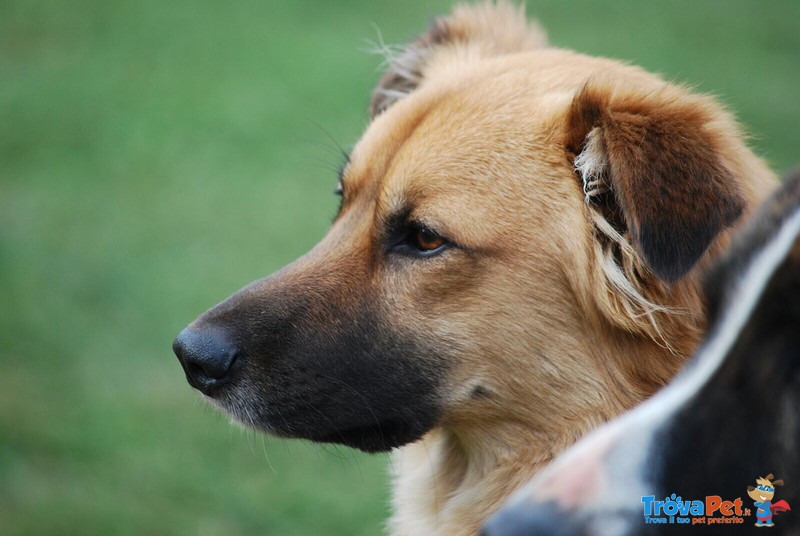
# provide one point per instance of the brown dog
(515, 261)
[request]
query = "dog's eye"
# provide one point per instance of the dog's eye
(339, 192)
(422, 241)
(415, 239)
(426, 240)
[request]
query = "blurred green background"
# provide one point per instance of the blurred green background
(156, 155)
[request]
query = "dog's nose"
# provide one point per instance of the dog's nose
(206, 357)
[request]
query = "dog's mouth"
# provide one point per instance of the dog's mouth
(378, 433)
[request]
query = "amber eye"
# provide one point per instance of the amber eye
(427, 240)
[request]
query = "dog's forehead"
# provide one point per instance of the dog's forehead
(374, 153)
(454, 135)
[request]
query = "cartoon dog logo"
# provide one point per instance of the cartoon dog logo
(762, 494)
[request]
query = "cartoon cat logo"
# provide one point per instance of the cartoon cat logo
(762, 494)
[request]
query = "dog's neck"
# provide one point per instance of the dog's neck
(454, 478)
(464, 479)
(457, 475)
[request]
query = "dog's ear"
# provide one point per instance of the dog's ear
(470, 32)
(778, 482)
(651, 162)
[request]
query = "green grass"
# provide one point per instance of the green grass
(155, 156)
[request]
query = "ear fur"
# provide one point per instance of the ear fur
(469, 32)
(650, 161)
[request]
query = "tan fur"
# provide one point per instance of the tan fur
(472, 123)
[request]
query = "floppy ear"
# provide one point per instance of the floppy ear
(469, 32)
(769, 476)
(750, 488)
(778, 482)
(649, 160)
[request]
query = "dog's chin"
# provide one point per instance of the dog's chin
(380, 437)
(375, 435)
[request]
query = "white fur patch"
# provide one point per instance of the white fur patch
(591, 164)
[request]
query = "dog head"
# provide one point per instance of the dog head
(731, 413)
(764, 490)
(512, 222)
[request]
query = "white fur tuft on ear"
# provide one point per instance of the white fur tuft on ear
(591, 165)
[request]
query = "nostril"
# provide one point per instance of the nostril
(206, 355)
(217, 367)
(194, 370)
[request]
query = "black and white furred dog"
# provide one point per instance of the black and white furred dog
(728, 423)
